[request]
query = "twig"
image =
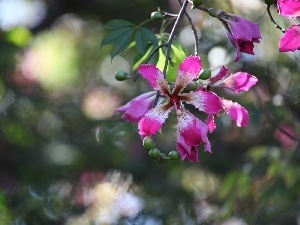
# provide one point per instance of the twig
(172, 34)
(193, 29)
(271, 119)
(272, 19)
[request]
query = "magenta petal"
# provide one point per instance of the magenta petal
(186, 151)
(235, 43)
(237, 113)
(210, 122)
(193, 130)
(289, 8)
(242, 29)
(247, 47)
(290, 40)
(154, 77)
(135, 109)
(240, 81)
(219, 76)
(205, 101)
(188, 70)
(241, 33)
(153, 120)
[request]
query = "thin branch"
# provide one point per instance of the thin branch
(148, 58)
(199, 7)
(270, 117)
(272, 19)
(193, 29)
(172, 34)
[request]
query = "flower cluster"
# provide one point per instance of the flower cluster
(290, 40)
(191, 131)
(150, 110)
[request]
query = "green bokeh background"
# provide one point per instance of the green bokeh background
(61, 139)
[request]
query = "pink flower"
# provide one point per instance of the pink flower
(241, 33)
(191, 132)
(289, 8)
(290, 41)
(154, 118)
(137, 107)
(237, 82)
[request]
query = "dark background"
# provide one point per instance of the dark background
(66, 157)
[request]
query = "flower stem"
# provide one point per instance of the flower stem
(272, 19)
(172, 34)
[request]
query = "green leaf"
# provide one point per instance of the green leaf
(150, 35)
(116, 36)
(140, 58)
(140, 41)
(177, 55)
(142, 37)
(123, 43)
(118, 24)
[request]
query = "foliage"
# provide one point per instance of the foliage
(66, 156)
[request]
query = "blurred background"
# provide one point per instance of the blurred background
(66, 156)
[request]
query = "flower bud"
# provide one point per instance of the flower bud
(270, 2)
(197, 3)
(155, 16)
(205, 74)
(121, 75)
(154, 153)
(148, 143)
(174, 155)
(193, 86)
(215, 12)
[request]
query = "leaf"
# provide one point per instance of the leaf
(177, 55)
(150, 35)
(120, 39)
(143, 37)
(123, 43)
(140, 58)
(118, 24)
(140, 41)
(115, 37)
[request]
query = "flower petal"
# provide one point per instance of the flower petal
(153, 120)
(210, 122)
(235, 43)
(135, 109)
(237, 113)
(188, 70)
(289, 8)
(246, 47)
(240, 81)
(241, 28)
(205, 101)
(193, 131)
(154, 77)
(219, 76)
(290, 40)
(241, 33)
(186, 151)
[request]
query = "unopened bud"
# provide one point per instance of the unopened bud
(121, 75)
(215, 12)
(205, 74)
(155, 16)
(154, 153)
(174, 155)
(270, 2)
(197, 3)
(193, 86)
(148, 143)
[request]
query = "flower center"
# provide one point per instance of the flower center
(175, 102)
